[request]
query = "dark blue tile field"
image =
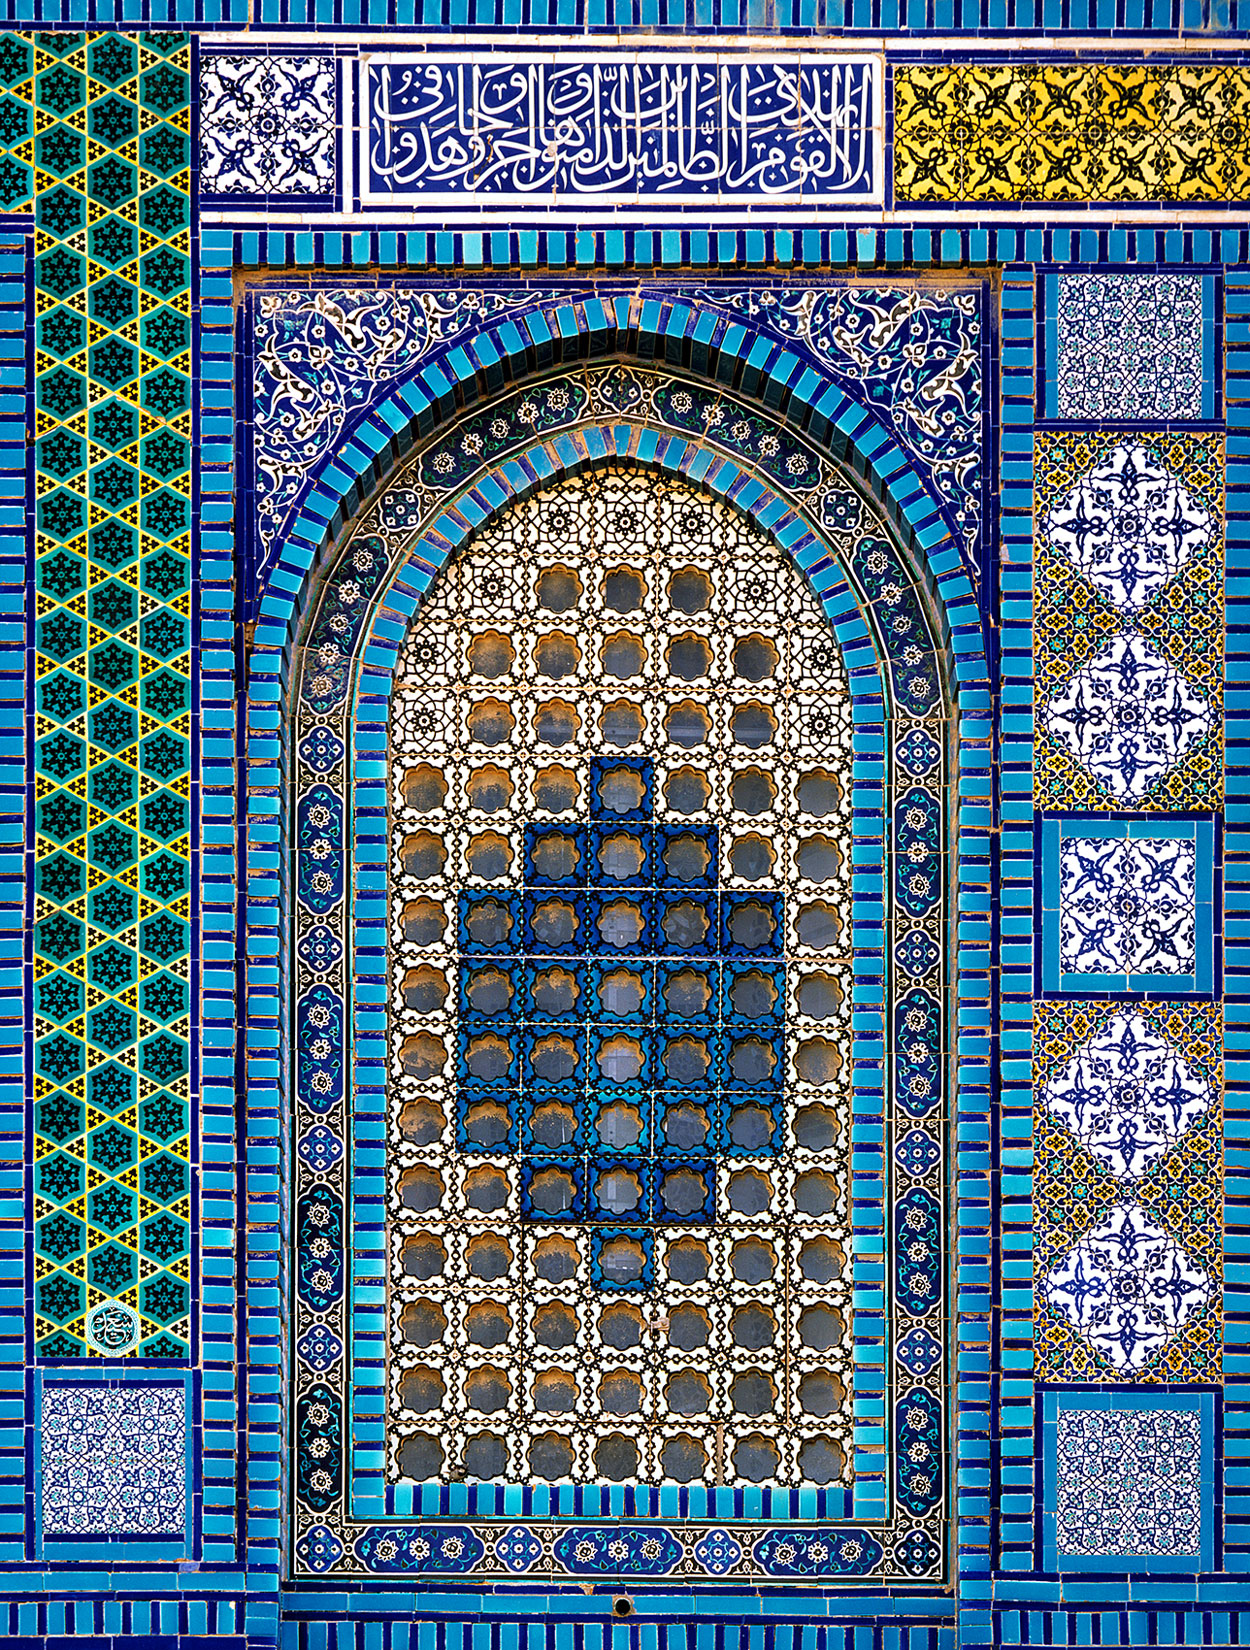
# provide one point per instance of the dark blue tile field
(623, 850)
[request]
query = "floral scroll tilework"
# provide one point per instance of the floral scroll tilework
(1128, 621)
(1071, 131)
(268, 126)
(1128, 1480)
(911, 354)
(101, 125)
(1130, 347)
(1128, 1139)
(323, 355)
(113, 1460)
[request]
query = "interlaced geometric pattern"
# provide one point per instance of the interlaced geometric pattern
(97, 134)
(620, 1004)
(1129, 347)
(1071, 131)
(1129, 1482)
(113, 1460)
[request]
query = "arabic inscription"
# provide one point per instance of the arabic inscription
(675, 128)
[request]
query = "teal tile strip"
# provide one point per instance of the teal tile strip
(1013, 1429)
(222, 1335)
(13, 517)
(684, 17)
(615, 250)
(1237, 921)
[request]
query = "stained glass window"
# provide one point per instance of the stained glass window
(620, 1005)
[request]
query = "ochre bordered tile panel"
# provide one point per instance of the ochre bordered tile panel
(1128, 1181)
(1128, 620)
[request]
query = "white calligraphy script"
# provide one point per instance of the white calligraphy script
(674, 128)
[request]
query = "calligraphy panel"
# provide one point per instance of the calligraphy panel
(617, 129)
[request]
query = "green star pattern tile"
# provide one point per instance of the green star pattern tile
(97, 136)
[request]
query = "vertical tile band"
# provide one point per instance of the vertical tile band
(101, 128)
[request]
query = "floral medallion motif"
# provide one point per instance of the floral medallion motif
(1127, 905)
(1128, 1096)
(319, 1348)
(1129, 717)
(1129, 526)
(1128, 1288)
(518, 1549)
(718, 1552)
(320, 1549)
(1127, 614)
(1127, 1147)
(919, 1352)
(268, 125)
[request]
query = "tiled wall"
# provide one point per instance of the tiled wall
(1098, 1035)
(907, 19)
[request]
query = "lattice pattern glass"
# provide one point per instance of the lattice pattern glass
(620, 1005)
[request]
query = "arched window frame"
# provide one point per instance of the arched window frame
(804, 1554)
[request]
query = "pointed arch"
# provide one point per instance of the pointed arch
(864, 618)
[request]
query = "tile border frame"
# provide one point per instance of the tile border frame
(270, 635)
(117, 1550)
(1203, 1400)
(1207, 978)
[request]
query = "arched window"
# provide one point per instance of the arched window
(619, 1004)
(618, 891)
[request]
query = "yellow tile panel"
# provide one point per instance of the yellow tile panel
(1072, 132)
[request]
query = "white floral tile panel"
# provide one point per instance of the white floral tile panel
(268, 125)
(1126, 906)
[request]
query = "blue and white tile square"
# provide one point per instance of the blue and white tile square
(1128, 1480)
(1127, 905)
(114, 1467)
(269, 127)
(1133, 348)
